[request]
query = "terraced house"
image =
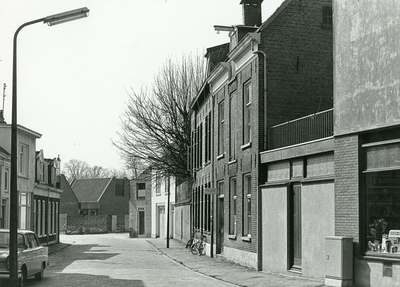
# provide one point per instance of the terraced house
(254, 180)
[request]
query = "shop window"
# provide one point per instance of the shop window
(383, 211)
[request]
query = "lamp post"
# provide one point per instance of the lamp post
(49, 20)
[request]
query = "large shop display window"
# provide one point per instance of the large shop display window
(383, 212)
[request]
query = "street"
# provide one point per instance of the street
(116, 260)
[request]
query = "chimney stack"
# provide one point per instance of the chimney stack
(252, 12)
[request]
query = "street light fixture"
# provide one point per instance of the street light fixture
(49, 20)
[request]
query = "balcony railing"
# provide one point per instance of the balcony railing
(308, 128)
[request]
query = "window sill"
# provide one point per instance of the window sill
(232, 236)
(141, 198)
(220, 156)
(246, 238)
(382, 256)
(232, 161)
(246, 146)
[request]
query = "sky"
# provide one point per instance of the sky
(74, 79)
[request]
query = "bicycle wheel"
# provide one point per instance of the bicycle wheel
(195, 249)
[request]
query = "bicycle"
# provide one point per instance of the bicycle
(198, 246)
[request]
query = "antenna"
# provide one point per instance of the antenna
(4, 95)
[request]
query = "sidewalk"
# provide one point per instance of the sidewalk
(221, 269)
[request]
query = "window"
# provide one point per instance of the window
(158, 182)
(141, 190)
(327, 17)
(247, 205)
(208, 138)
(247, 97)
(220, 188)
(232, 206)
(23, 159)
(232, 127)
(24, 210)
(42, 172)
(383, 211)
(7, 180)
(221, 120)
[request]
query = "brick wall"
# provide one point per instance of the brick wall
(299, 62)
(347, 186)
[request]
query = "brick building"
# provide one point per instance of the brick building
(367, 136)
(275, 72)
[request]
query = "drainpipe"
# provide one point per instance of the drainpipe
(265, 96)
(265, 145)
(212, 175)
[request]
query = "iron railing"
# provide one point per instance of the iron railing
(308, 128)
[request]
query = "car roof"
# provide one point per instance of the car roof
(21, 231)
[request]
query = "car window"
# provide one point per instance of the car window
(20, 240)
(32, 240)
(4, 239)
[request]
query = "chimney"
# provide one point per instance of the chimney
(252, 12)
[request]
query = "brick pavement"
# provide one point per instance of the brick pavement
(226, 271)
(217, 267)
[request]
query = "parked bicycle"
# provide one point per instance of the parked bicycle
(198, 246)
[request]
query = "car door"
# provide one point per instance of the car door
(35, 253)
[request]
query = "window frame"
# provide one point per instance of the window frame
(221, 122)
(23, 160)
(247, 100)
(232, 206)
(232, 126)
(247, 205)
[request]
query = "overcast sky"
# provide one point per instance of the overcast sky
(73, 78)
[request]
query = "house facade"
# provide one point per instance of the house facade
(140, 206)
(5, 168)
(162, 209)
(39, 194)
(46, 199)
(255, 185)
(367, 137)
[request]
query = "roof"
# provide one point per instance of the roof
(2, 150)
(90, 190)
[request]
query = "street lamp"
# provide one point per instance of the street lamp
(49, 20)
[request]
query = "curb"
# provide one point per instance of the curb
(194, 270)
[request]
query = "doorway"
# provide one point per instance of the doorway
(295, 236)
(141, 221)
(161, 221)
(220, 226)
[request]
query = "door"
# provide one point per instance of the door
(161, 222)
(295, 227)
(220, 226)
(141, 222)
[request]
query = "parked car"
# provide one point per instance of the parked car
(32, 257)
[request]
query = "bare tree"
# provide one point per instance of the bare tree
(75, 169)
(156, 124)
(78, 169)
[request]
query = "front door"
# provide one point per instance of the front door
(161, 222)
(220, 226)
(141, 222)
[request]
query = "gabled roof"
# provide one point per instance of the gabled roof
(90, 190)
